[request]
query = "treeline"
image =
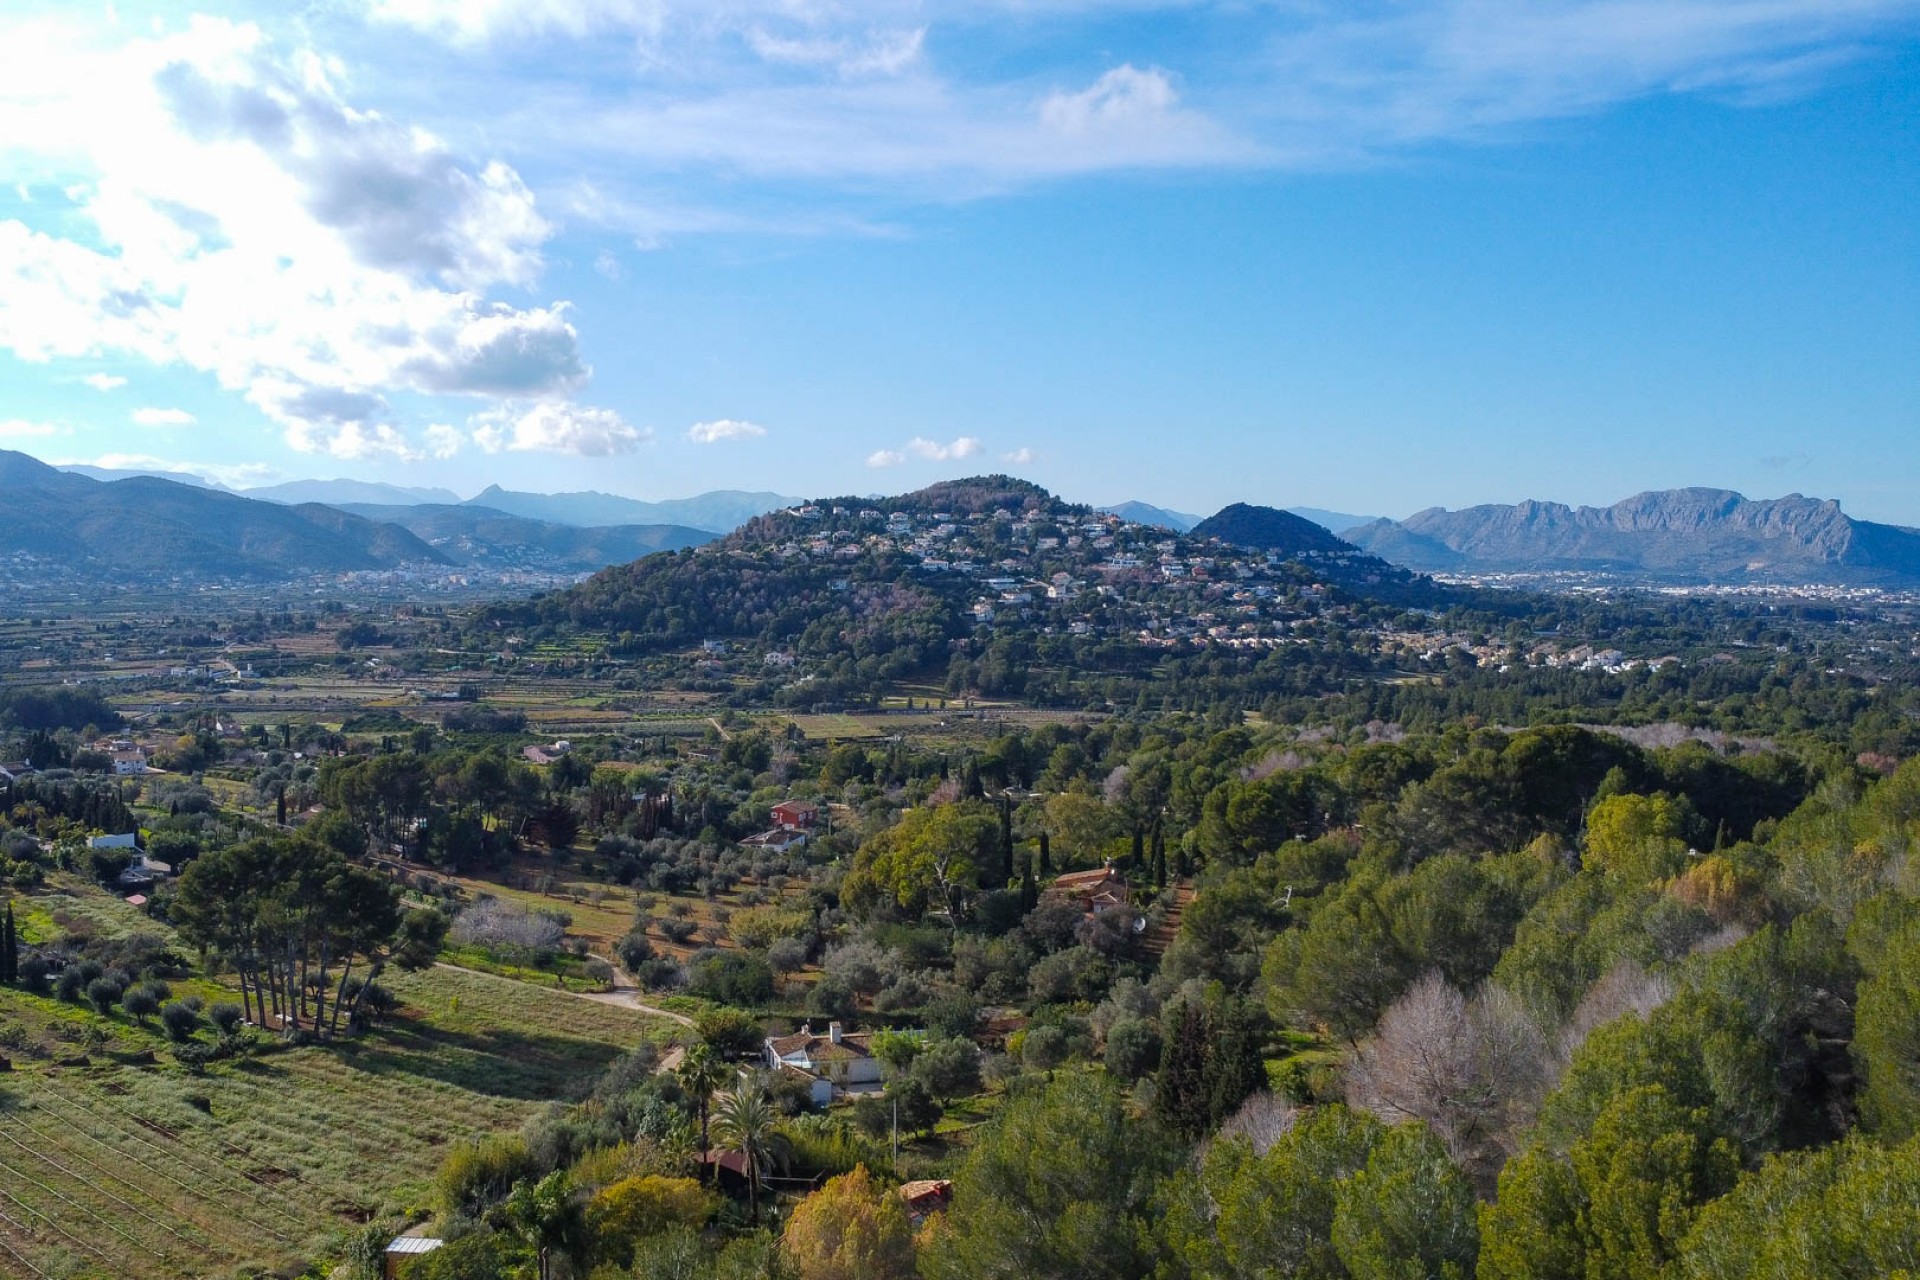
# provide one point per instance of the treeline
(62, 707)
(305, 933)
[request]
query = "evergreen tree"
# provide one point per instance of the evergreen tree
(1136, 860)
(1180, 1093)
(1235, 1069)
(1046, 855)
(1006, 840)
(1029, 888)
(9, 948)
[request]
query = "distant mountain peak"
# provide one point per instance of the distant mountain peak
(1697, 534)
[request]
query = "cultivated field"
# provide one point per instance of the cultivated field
(126, 1168)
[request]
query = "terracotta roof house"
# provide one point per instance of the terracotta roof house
(925, 1198)
(1095, 891)
(795, 815)
(837, 1062)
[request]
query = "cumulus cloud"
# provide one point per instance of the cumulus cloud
(724, 429)
(933, 451)
(1020, 456)
(104, 381)
(443, 441)
(1124, 98)
(155, 417)
(555, 427)
(926, 450)
(232, 212)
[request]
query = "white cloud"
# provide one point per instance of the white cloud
(927, 450)
(858, 88)
(877, 53)
(724, 429)
(232, 212)
(233, 476)
(1124, 98)
(964, 447)
(152, 417)
(608, 266)
(478, 21)
(1020, 457)
(554, 427)
(104, 381)
(21, 429)
(443, 441)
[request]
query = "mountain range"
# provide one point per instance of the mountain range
(721, 511)
(340, 493)
(482, 537)
(147, 525)
(1675, 535)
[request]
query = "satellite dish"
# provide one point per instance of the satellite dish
(1139, 924)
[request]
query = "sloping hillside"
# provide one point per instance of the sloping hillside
(149, 525)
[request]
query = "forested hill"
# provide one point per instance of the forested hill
(146, 525)
(1681, 535)
(1268, 529)
(897, 580)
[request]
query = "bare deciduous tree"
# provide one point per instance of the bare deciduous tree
(1474, 1070)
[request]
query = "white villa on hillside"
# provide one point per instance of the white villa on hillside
(838, 1062)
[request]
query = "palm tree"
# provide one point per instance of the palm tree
(749, 1124)
(701, 1073)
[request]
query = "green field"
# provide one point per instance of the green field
(128, 1169)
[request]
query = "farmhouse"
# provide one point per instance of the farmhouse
(838, 1062)
(795, 815)
(1094, 891)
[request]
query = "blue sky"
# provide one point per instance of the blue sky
(1372, 256)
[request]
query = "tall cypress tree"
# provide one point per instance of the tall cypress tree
(1029, 887)
(1234, 1068)
(1006, 840)
(1181, 1094)
(1046, 855)
(9, 948)
(1137, 859)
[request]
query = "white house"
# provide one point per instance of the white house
(128, 840)
(838, 1062)
(131, 761)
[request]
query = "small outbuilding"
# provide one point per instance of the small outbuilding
(403, 1250)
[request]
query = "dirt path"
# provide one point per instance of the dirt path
(625, 993)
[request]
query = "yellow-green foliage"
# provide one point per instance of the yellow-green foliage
(634, 1208)
(850, 1227)
(1637, 839)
